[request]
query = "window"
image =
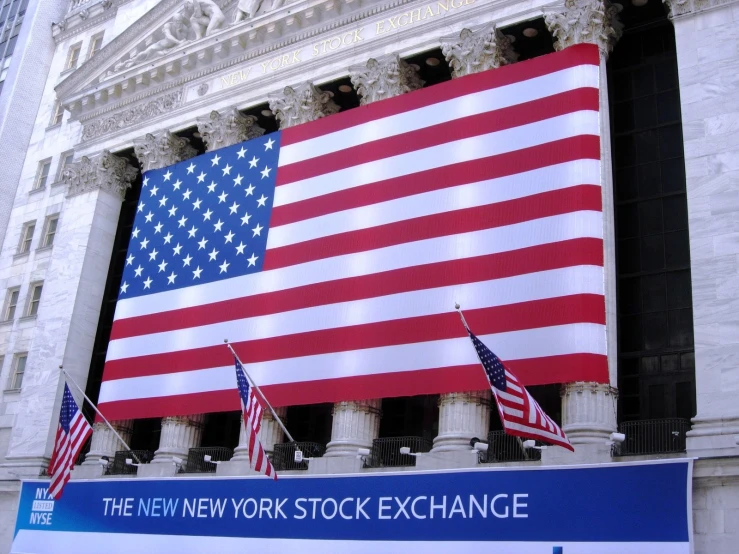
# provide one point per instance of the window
(19, 368)
(74, 56)
(58, 114)
(11, 302)
(42, 174)
(50, 230)
(34, 298)
(96, 43)
(26, 237)
(64, 160)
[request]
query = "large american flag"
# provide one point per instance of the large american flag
(330, 253)
(252, 409)
(71, 435)
(519, 413)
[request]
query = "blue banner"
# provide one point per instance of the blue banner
(615, 508)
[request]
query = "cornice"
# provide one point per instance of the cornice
(73, 23)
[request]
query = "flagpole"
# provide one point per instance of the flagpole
(98, 413)
(256, 387)
(464, 322)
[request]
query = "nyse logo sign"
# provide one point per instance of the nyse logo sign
(42, 508)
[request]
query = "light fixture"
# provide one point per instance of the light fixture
(267, 113)
(480, 447)
(363, 451)
(407, 451)
(639, 3)
(208, 458)
(532, 444)
(530, 32)
(197, 135)
(345, 88)
(511, 38)
(432, 62)
(618, 437)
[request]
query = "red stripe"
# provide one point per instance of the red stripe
(474, 171)
(512, 317)
(500, 214)
(456, 129)
(584, 251)
(581, 54)
(555, 369)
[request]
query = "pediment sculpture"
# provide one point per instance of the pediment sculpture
(193, 21)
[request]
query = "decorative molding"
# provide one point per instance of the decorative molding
(588, 411)
(161, 150)
(687, 7)
(585, 22)
(74, 23)
(462, 416)
(179, 434)
(355, 425)
(384, 77)
(301, 104)
(227, 128)
(125, 118)
(478, 50)
(103, 171)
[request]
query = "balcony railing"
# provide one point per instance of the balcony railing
(385, 452)
(196, 458)
(283, 456)
(652, 436)
(118, 465)
(507, 448)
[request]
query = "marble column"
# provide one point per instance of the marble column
(301, 104)
(462, 416)
(475, 50)
(707, 66)
(355, 425)
(589, 409)
(269, 434)
(155, 151)
(179, 434)
(227, 127)
(105, 443)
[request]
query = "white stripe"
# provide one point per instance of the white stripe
(67, 542)
(497, 292)
(556, 177)
(512, 411)
(514, 345)
(534, 431)
(441, 112)
(512, 385)
(546, 230)
(468, 149)
(509, 397)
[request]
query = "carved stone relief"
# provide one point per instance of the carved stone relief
(103, 171)
(384, 77)
(475, 51)
(161, 150)
(227, 128)
(300, 104)
(585, 21)
(136, 114)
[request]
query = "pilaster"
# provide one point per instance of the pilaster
(301, 104)
(462, 416)
(384, 77)
(155, 151)
(355, 425)
(227, 127)
(104, 171)
(479, 50)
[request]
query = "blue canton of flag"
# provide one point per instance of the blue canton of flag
(494, 368)
(242, 383)
(203, 220)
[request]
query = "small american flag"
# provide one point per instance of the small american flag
(252, 409)
(71, 434)
(520, 414)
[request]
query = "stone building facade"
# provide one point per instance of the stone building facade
(151, 85)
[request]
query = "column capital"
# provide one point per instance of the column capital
(155, 151)
(585, 22)
(384, 77)
(472, 51)
(227, 127)
(103, 171)
(300, 104)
